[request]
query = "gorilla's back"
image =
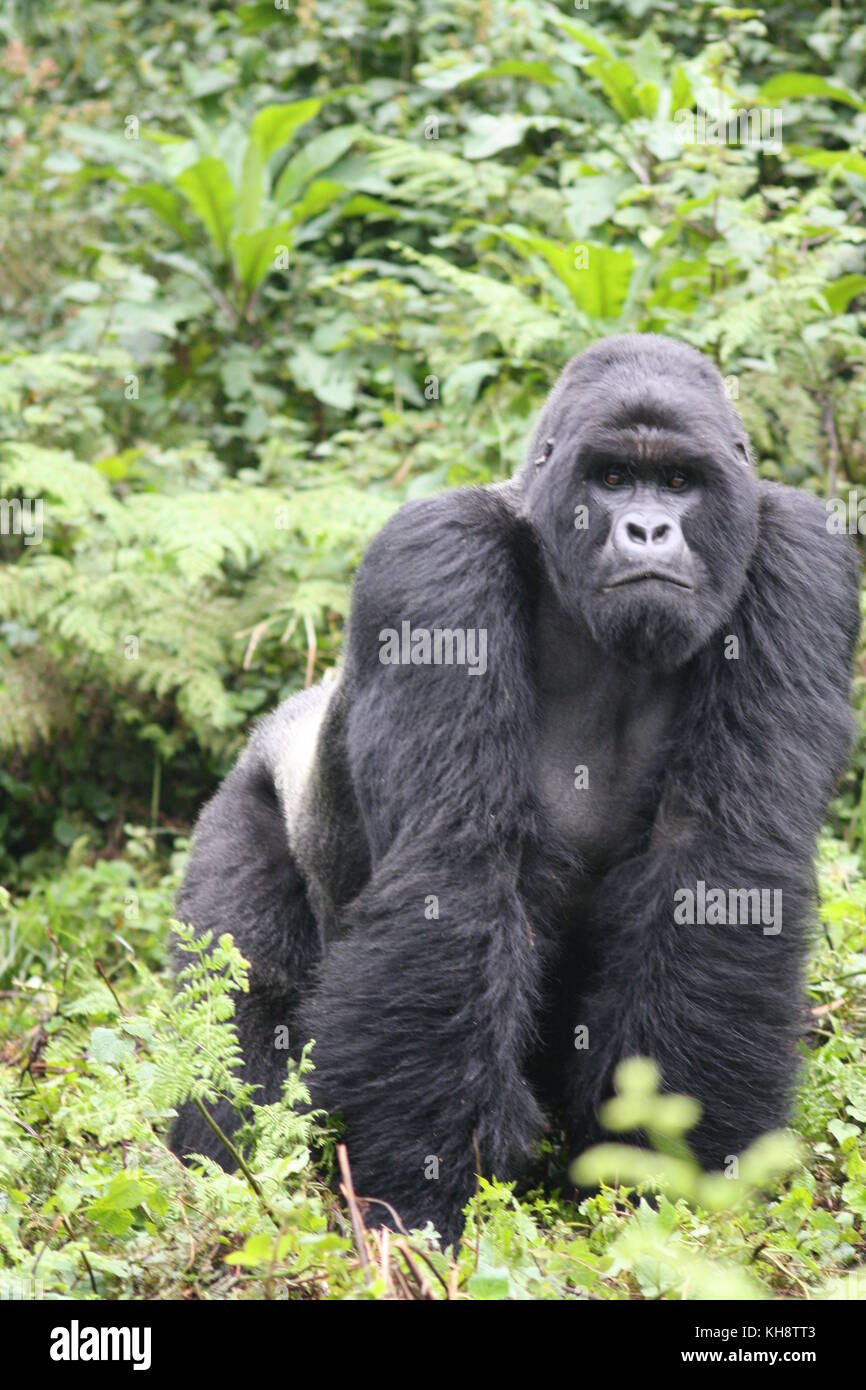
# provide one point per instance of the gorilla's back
(303, 745)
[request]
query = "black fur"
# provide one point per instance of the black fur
(440, 1039)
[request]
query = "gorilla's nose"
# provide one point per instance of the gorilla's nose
(647, 536)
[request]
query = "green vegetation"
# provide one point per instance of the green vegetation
(263, 276)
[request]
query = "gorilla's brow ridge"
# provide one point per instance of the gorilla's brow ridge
(648, 446)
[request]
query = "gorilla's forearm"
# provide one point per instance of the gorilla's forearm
(710, 1001)
(422, 1029)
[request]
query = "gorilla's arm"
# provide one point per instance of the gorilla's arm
(758, 749)
(421, 1024)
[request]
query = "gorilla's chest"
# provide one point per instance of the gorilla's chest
(596, 772)
(601, 732)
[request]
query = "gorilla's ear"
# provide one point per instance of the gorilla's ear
(547, 449)
(744, 453)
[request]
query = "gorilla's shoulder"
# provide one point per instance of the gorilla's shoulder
(802, 564)
(482, 515)
(799, 521)
(436, 558)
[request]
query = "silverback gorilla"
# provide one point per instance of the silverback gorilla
(571, 703)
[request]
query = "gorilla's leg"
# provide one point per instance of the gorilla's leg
(242, 878)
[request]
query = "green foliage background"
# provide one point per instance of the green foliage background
(266, 271)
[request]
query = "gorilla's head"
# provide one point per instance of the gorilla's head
(640, 488)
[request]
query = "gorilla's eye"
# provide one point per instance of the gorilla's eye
(678, 480)
(615, 477)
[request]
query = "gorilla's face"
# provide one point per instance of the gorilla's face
(640, 488)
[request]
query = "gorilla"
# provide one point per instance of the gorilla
(560, 806)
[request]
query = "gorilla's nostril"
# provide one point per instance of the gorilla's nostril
(636, 532)
(660, 533)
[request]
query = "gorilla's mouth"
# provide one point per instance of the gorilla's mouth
(643, 576)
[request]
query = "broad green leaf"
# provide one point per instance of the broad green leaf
(461, 386)
(848, 160)
(310, 228)
(320, 195)
(187, 266)
(599, 288)
(792, 85)
(257, 16)
(162, 201)
(254, 253)
(647, 95)
(364, 206)
(446, 79)
(114, 146)
(125, 1192)
(129, 318)
(680, 283)
(586, 37)
(274, 127)
(682, 96)
(62, 162)
(258, 1249)
(251, 186)
(330, 379)
(488, 135)
(520, 67)
(206, 82)
(593, 200)
(82, 291)
(208, 190)
(602, 288)
(840, 292)
(489, 1286)
(317, 155)
(118, 467)
(649, 58)
(841, 1130)
(617, 81)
